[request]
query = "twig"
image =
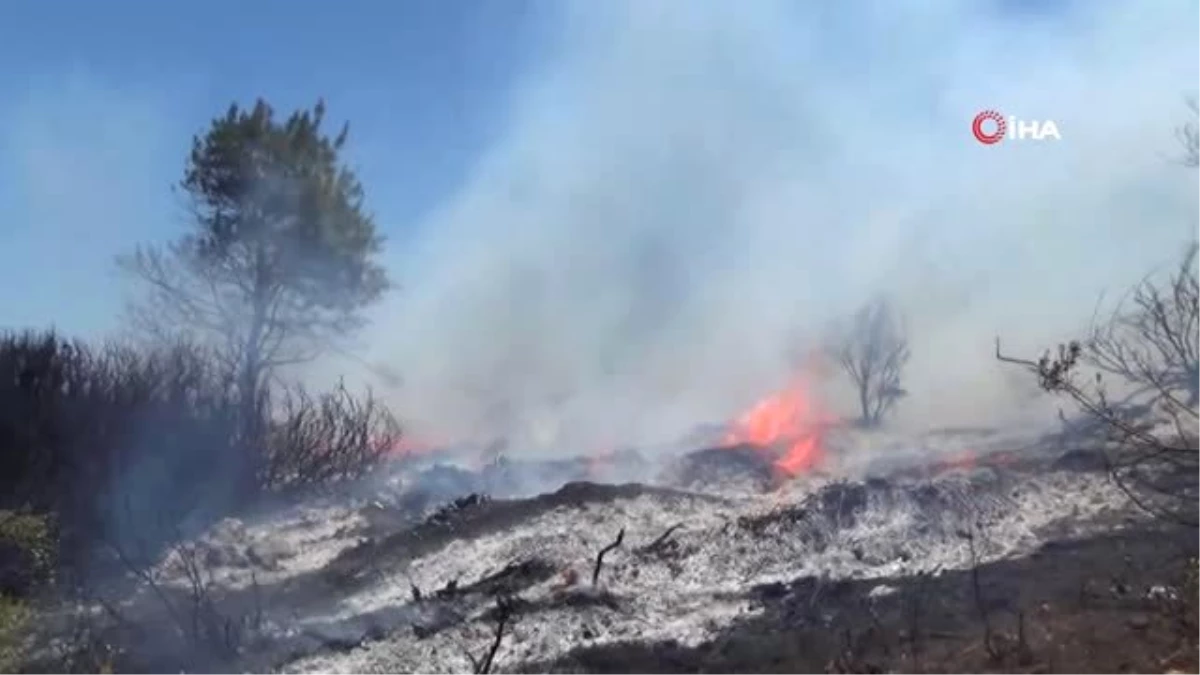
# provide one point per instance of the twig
(877, 625)
(914, 620)
(116, 615)
(148, 577)
(1024, 653)
(503, 613)
(475, 663)
(603, 552)
(258, 601)
(662, 539)
(977, 588)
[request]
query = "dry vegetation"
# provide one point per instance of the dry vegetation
(111, 456)
(1148, 352)
(873, 351)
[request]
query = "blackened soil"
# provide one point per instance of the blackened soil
(1119, 602)
(727, 465)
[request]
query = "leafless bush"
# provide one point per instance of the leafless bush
(331, 436)
(209, 628)
(209, 633)
(1149, 348)
(1150, 341)
(873, 351)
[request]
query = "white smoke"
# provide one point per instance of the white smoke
(687, 193)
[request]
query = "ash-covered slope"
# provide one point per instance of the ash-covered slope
(397, 586)
(686, 565)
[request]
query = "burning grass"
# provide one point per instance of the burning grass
(788, 427)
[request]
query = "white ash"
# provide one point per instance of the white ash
(728, 539)
(691, 598)
(235, 553)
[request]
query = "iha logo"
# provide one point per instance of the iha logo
(990, 127)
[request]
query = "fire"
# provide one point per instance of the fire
(964, 460)
(790, 425)
(969, 460)
(598, 463)
(407, 446)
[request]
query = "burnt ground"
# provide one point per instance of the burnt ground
(1095, 605)
(148, 642)
(473, 516)
(1114, 602)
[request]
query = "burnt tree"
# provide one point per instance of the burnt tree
(873, 351)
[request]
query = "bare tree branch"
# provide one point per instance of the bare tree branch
(873, 351)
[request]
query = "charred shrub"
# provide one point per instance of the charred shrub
(1135, 378)
(446, 514)
(88, 433)
(332, 436)
(111, 455)
(134, 447)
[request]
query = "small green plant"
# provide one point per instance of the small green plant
(29, 542)
(1189, 593)
(14, 619)
(27, 555)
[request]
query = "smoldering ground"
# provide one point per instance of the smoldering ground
(684, 197)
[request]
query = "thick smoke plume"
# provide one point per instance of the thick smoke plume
(686, 195)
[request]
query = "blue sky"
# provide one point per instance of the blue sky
(627, 214)
(107, 95)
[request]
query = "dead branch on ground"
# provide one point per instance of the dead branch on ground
(503, 613)
(604, 551)
(662, 539)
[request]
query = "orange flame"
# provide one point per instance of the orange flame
(962, 460)
(597, 464)
(406, 446)
(967, 460)
(788, 424)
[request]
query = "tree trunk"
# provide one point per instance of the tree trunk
(253, 452)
